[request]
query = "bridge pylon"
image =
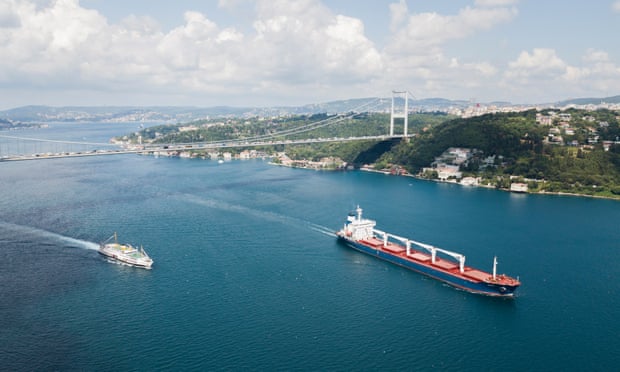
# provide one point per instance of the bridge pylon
(399, 114)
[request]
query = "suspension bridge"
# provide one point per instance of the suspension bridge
(18, 148)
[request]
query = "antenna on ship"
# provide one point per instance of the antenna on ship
(359, 213)
(494, 267)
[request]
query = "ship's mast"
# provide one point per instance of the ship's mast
(359, 213)
(494, 267)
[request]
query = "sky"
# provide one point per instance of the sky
(294, 52)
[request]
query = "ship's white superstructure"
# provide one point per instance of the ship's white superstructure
(125, 253)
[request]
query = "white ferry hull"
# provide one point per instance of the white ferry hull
(132, 258)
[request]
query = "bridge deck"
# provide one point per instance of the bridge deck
(150, 148)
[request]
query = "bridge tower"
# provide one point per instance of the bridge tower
(396, 114)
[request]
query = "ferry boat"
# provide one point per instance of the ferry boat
(125, 253)
(360, 234)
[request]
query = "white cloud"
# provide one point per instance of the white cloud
(294, 44)
(398, 14)
(541, 59)
(229, 34)
(8, 15)
(615, 6)
(416, 54)
(424, 30)
(485, 69)
(293, 50)
(575, 73)
(597, 75)
(496, 2)
(593, 55)
(234, 4)
(596, 66)
(140, 25)
(46, 43)
(305, 43)
(542, 73)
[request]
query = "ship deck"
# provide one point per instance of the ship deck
(122, 252)
(442, 264)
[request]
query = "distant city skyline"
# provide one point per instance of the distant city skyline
(282, 52)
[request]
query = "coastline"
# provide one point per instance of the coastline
(559, 193)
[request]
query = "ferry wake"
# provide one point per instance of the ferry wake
(360, 234)
(125, 253)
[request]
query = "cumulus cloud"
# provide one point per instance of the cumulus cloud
(311, 44)
(596, 66)
(597, 74)
(293, 43)
(528, 72)
(541, 59)
(292, 48)
(593, 55)
(298, 49)
(416, 53)
(46, 42)
(543, 73)
(496, 2)
(8, 15)
(398, 12)
(432, 29)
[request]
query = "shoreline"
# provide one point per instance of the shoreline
(559, 193)
(407, 174)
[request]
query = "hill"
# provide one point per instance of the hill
(185, 114)
(6, 124)
(589, 101)
(115, 113)
(586, 161)
(510, 135)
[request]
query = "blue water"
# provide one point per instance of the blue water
(248, 276)
(84, 137)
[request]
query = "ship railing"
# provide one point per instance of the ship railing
(432, 249)
(405, 241)
(383, 234)
(387, 235)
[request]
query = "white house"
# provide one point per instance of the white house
(448, 171)
(518, 187)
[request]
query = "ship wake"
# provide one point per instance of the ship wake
(272, 216)
(322, 229)
(34, 233)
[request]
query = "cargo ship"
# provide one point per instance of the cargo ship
(360, 234)
(125, 253)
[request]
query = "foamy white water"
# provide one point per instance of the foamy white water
(322, 229)
(71, 242)
(78, 242)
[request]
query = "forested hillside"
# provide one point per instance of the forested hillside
(579, 164)
(358, 152)
(510, 135)
(574, 151)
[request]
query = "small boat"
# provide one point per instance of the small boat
(125, 253)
